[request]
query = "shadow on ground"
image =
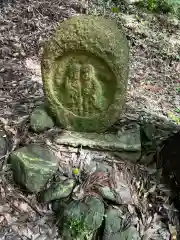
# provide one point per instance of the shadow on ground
(170, 159)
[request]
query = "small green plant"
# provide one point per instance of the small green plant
(175, 118)
(77, 227)
(161, 6)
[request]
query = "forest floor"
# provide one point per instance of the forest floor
(154, 85)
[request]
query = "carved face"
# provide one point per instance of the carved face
(88, 72)
(82, 87)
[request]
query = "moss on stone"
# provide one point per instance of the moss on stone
(85, 72)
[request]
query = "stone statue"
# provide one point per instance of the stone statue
(92, 90)
(85, 71)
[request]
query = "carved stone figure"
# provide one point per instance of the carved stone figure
(85, 71)
(92, 90)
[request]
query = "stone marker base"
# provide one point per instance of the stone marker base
(126, 144)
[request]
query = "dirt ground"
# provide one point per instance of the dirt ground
(154, 86)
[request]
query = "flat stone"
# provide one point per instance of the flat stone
(40, 120)
(58, 190)
(121, 142)
(85, 70)
(81, 219)
(33, 166)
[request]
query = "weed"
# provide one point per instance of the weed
(76, 226)
(161, 6)
(175, 118)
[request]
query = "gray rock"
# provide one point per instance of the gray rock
(33, 166)
(117, 227)
(126, 140)
(107, 194)
(122, 196)
(40, 120)
(58, 190)
(149, 131)
(147, 159)
(81, 219)
(129, 156)
(3, 144)
(131, 137)
(132, 140)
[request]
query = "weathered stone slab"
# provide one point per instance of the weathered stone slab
(101, 141)
(33, 166)
(125, 144)
(84, 72)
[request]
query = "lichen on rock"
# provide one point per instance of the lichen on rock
(58, 190)
(81, 219)
(40, 120)
(117, 226)
(84, 71)
(33, 166)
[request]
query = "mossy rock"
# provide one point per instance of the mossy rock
(81, 219)
(58, 190)
(85, 71)
(115, 227)
(33, 166)
(40, 120)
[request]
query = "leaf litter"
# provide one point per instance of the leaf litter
(154, 78)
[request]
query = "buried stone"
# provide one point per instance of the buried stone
(81, 219)
(117, 227)
(33, 166)
(84, 72)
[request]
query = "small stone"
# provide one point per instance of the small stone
(3, 144)
(107, 194)
(115, 227)
(149, 131)
(81, 219)
(58, 190)
(40, 120)
(33, 166)
(131, 138)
